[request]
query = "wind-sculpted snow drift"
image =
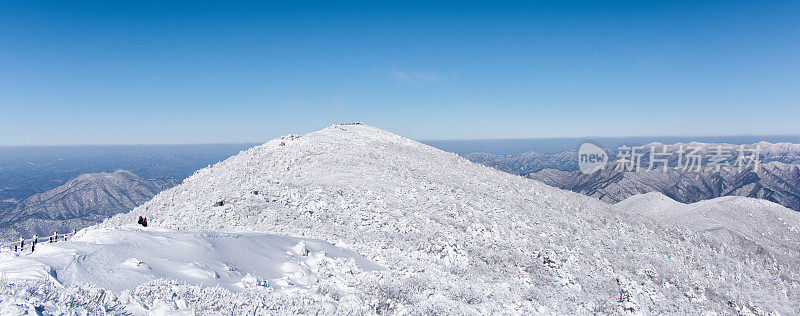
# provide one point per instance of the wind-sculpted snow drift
(455, 237)
(122, 259)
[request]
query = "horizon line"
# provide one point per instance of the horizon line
(418, 140)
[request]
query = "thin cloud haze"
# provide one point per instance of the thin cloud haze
(418, 75)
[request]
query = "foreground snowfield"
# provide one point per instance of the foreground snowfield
(123, 259)
(430, 232)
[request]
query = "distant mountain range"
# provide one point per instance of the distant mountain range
(527, 162)
(777, 179)
(774, 181)
(25, 171)
(82, 201)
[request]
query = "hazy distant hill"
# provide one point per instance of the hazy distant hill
(527, 162)
(82, 201)
(25, 171)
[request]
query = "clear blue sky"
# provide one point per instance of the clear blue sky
(115, 72)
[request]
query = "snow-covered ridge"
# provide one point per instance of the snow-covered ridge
(457, 237)
(730, 219)
(80, 202)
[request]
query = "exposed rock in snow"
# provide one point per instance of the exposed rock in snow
(453, 236)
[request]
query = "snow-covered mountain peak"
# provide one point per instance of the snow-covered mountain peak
(651, 201)
(317, 173)
(421, 212)
(455, 237)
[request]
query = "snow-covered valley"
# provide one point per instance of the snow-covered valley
(392, 226)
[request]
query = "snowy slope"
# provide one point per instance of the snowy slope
(761, 225)
(454, 237)
(120, 259)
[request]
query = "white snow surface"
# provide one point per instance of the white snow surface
(429, 232)
(122, 259)
(749, 223)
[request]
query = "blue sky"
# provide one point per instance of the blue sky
(115, 72)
